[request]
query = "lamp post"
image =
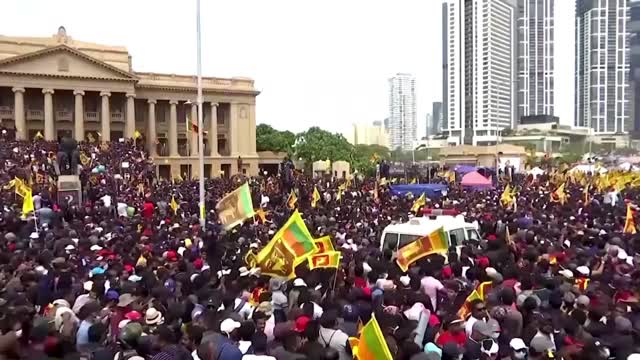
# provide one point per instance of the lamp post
(200, 121)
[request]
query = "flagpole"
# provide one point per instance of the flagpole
(200, 122)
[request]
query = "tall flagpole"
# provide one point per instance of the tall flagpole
(200, 123)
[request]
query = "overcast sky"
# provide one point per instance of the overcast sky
(322, 63)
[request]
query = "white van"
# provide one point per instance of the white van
(457, 231)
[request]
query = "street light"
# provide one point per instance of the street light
(200, 120)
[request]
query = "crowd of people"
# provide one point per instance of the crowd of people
(122, 275)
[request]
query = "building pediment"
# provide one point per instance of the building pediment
(63, 61)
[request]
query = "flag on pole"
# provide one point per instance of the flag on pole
(288, 248)
(84, 159)
(262, 215)
(436, 242)
(27, 204)
(371, 345)
(507, 197)
(324, 244)
(292, 200)
(420, 202)
(587, 196)
(325, 260)
(38, 136)
(235, 207)
(21, 188)
(136, 135)
(414, 181)
(629, 223)
(174, 205)
(315, 197)
(465, 309)
(10, 184)
(559, 195)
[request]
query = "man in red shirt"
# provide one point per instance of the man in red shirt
(454, 333)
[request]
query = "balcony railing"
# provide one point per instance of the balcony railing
(35, 115)
(64, 116)
(91, 116)
(6, 112)
(117, 117)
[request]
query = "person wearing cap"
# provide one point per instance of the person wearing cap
(278, 299)
(518, 349)
(227, 344)
(453, 332)
(544, 339)
(473, 347)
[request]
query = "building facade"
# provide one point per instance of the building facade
(479, 63)
(602, 66)
(634, 30)
(59, 87)
(369, 134)
(436, 118)
(536, 23)
(403, 117)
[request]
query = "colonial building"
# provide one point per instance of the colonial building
(59, 86)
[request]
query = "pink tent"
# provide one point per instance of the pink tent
(476, 181)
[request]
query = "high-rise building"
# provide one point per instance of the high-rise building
(403, 120)
(365, 134)
(436, 118)
(478, 59)
(634, 30)
(536, 23)
(429, 125)
(602, 66)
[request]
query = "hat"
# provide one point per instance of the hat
(69, 247)
(275, 284)
(243, 271)
(125, 300)
(228, 326)
(95, 248)
(112, 295)
(301, 323)
(482, 328)
(583, 270)
(131, 332)
(266, 308)
(566, 273)
(88, 285)
(299, 282)
(517, 344)
(198, 264)
(96, 271)
(153, 317)
(405, 280)
(133, 316)
(134, 278)
(583, 300)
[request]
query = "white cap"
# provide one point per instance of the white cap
(583, 270)
(181, 250)
(228, 325)
(88, 285)
(517, 344)
(299, 282)
(405, 280)
(566, 273)
(69, 247)
(95, 248)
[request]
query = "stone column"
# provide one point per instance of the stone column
(173, 129)
(49, 126)
(18, 113)
(213, 131)
(152, 137)
(130, 120)
(234, 117)
(192, 135)
(105, 117)
(78, 116)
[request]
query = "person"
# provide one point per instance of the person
(518, 349)
(169, 348)
(331, 336)
(479, 341)
(259, 350)
(478, 312)
(227, 346)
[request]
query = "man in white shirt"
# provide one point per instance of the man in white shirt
(430, 286)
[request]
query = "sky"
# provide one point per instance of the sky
(317, 63)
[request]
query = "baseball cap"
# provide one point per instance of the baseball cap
(228, 325)
(517, 344)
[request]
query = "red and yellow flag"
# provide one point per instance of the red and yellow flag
(465, 309)
(292, 200)
(324, 244)
(371, 345)
(315, 197)
(436, 242)
(325, 260)
(629, 223)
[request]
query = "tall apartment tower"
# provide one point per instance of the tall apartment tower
(436, 118)
(602, 66)
(536, 22)
(403, 121)
(479, 56)
(634, 30)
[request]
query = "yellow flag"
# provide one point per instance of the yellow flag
(38, 136)
(27, 203)
(315, 198)
(420, 202)
(414, 181)
(292, 200)
(262, 215)
(136, 135)
(10, 184)
(506, 198)
(629, 223)
(174, 204)
(84, 159)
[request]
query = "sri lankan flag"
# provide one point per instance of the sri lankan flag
(436, 242)
(292, 200)
(559, 195)
(315, 197)
(290, 246)
(629, 223)
(465, 310)
(235, 207)
(21, 188)
(324, 244)
(420, 202)
(371, 344)
(325, 260)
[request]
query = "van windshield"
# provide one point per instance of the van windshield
(406, 239)
(390, 241)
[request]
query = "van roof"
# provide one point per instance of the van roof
(425, 225)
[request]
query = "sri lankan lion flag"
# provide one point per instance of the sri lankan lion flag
(235, 207)
(420, 202)
(324, 244)
(436, 242)
(315, 197)
(465, 310)
(559, 195)
(292, 200)
(629, 223)
(325, 260)
(288, 248)
(371, 345)
(507, 197)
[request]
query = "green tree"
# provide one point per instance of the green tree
(317, 144)
(363, 157)
(270, 139)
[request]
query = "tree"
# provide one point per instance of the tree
(317, 144)
(270, 139)
(364, 157)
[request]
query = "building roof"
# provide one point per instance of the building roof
(470, 150)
